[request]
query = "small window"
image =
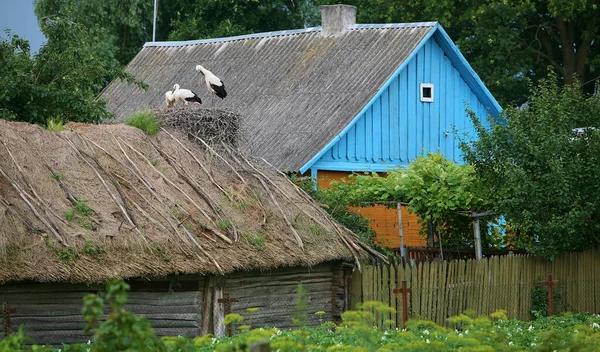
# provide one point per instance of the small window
(427, 92)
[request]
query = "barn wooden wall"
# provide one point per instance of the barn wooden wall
(174, 305)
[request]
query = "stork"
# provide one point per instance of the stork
(170, 99)
(213, 83)
(185, 95)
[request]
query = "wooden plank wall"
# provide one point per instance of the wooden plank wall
(274, 294)
(444, 289)
(51, 313)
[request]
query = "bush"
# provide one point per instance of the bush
(145, 120)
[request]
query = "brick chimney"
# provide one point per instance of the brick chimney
(336, 19)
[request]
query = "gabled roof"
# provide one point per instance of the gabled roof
(296, 90)
(92, 203)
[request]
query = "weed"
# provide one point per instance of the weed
(314, 229)
(55, 124)
(122, 330)
(92, 250)
(57, 175)
(224, 224)
(66, 255)
(180, 215)
(159, 251)
(301, 312)
(256, 240)
(145, 120)
(82, 208)
(154, 162)
(70, 214)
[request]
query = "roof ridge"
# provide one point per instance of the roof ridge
(286, 32)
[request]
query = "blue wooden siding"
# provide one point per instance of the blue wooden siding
(397, 127)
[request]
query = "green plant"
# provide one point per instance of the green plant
(224, 224)
(539, 301)
(256, 240)
(93, 250)
(122, 330)
(14, 342)
(154, 162)
(145, 120)
(301, 311)
(160, 252)
(70, 214)
(314, 229)
(82, 208)
(55, 124)
(57, 175)
(66, 255)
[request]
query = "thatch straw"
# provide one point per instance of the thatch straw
(98, 202)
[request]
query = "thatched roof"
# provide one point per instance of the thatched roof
(295, 90)
(93, 202)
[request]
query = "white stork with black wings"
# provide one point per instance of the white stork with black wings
(185, 95)
(213, 83)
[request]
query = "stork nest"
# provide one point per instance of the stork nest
(215, 126)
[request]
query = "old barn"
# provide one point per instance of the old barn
(197, 230)
(330, 100)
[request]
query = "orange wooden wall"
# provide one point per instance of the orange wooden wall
(384, 221)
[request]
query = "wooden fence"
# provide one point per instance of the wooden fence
(443, 289)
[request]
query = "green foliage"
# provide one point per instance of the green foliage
(57, 175)
(158, 250)
(122, 26)
(55, 124)
(357, 332)
(14, 342)
(80, 211)
(222, 18)
(122, 330)
(93, 250)
(301, 311)
(539, 301)
(66, 255)
(539, 173)
(145, 120)
(60, 82)
(434, 188)
(335, 205)
(257, 240)
(224, 224)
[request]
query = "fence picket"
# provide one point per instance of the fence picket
(444, 289)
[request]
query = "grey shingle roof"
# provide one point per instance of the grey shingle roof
(296, 90)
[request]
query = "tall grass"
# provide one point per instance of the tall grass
(145, 120)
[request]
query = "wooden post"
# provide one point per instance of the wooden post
(226, 301)
(207, 305)
(401, 231)
(405, 291)
(550, 284)
(476, 231)
(6, 317)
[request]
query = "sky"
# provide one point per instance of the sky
(18, 15)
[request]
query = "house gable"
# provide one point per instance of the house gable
(395, 127)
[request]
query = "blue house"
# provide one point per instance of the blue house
(329, 100)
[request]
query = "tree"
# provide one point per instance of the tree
(434, 188)
(125, 25)
(61, 82)
(223, 18)
(508, 41)
(541, 165)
